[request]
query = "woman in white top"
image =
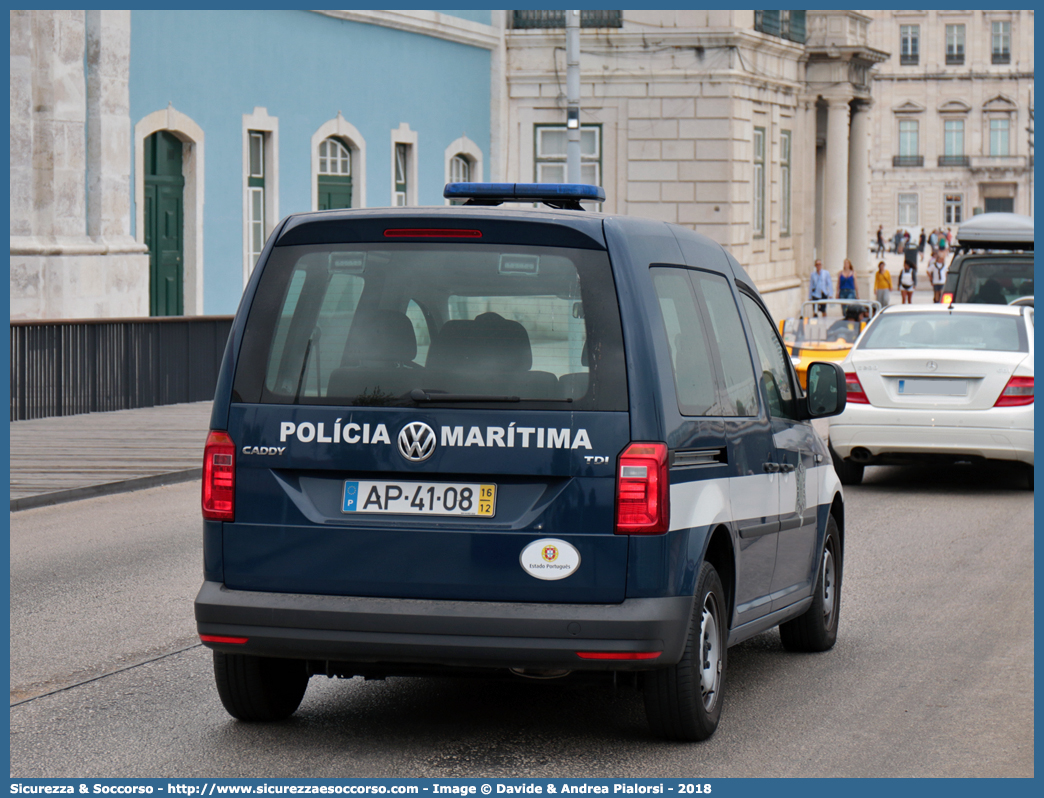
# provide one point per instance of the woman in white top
(906, 284)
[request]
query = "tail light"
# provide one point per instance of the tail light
(237, 641)
(219, 477)
(1018, 391)
(854, 388)
(947, 298)
(618, 654)
(643, 490)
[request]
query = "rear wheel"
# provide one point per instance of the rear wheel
(683, 702)
(848, 472)
(816, 629)
(259, 688)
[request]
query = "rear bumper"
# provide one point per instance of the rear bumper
(417, 632)
(887, 433)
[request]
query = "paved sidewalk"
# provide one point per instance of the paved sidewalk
(73, 457)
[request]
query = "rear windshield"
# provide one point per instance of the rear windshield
(994, 283)
(987, 331)
(409, 324)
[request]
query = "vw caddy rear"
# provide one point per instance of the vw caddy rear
(439, 445)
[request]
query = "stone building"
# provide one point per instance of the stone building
(72, 252)
(141, 183)
(952, 105)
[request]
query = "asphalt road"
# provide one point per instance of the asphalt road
(932, 674)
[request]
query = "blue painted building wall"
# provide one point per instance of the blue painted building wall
(215, 66)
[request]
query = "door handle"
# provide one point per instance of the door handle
(771, 468)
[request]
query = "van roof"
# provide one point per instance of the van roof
(996, 231)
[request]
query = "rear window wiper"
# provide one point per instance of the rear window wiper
(418, 395)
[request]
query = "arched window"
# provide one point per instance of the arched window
(334, 158)
(460, 169)
(335, 175)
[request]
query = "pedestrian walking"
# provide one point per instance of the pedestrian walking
(907, 283)
(910, 256)
(937, 270)
(846, 284)
(883, 285)
(820, 286)
(897, 241)
(920, 244)
(880, 240)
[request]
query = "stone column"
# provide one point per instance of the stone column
(498, 101)
(21, 123)
(858, 199)
(835, 187)
(59, 153)
(108, 127)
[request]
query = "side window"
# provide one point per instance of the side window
(740, 385)
(694, 375)
(775, 376)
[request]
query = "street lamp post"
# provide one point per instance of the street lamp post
(572, 96)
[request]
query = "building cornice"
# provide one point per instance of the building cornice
(847, 53)
(949, 76)
(426, 23)
(600, 41)
(660, 77)
(43, 245)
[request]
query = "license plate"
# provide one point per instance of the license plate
(929, 387)
(420, 498)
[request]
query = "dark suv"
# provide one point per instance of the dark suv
(490, 440)
(993, 264)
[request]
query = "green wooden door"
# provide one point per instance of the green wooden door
(164, 223)
(335, 191)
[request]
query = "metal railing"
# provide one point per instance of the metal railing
(66, 367)
(954, 160)
(589, 18)
(907, 160)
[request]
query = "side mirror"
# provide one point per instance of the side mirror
(826, 394)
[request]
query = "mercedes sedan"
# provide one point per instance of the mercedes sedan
(938, 383)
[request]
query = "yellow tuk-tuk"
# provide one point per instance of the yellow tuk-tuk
(825, 330)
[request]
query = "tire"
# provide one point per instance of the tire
(816, 628)
(683, 702)
(1029, 478)
(259, 688)
(848, 472)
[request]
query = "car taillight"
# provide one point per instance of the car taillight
(854, 388)
(643, 504)
(219, 477)
(1018, 391)
(947, 298)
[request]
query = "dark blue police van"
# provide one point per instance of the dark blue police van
(476, 439)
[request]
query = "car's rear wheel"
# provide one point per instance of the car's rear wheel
(848, 472)
(816, 628)
(259, 688)
(683, 702)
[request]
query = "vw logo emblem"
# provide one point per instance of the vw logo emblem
(416, 442)
(931, 365)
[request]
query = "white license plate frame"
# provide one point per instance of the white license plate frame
(932, 386)
(413, 498)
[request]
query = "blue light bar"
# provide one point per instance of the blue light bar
(495, 193)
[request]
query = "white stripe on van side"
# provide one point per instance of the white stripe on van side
(710, 501)
(700, 503)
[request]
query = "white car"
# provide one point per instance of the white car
(938, 383)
